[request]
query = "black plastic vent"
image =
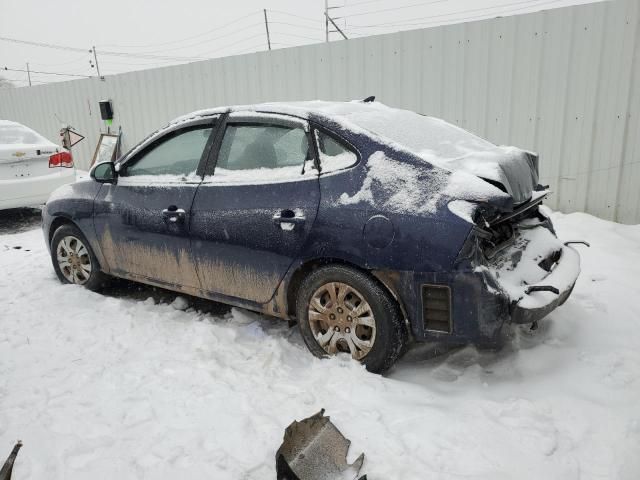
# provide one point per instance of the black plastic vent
(436, 308)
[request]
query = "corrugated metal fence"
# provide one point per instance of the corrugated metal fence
(564, 83)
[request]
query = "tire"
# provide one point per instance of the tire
(78, 264)
(373, 332)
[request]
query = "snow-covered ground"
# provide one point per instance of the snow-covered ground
(104, 386)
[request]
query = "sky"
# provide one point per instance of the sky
(133, 34)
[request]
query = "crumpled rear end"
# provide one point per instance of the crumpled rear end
(535, 273)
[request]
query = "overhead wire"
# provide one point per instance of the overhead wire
(6, 69)
(253, 49)
(210, 52)
(297, 36)
(281, 12)
(82, 58)
(76, 49)
(216, 29)
(394, 9)
(148, 59)
(306, 27)
(207, 40)
(347, 5)
(416, 22)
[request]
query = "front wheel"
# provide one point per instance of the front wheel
(342, 310)
(73, 260)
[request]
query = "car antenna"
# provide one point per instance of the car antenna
(370, 99)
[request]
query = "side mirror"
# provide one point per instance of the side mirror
(104, 172)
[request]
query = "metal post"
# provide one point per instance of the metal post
(326, 20)
(95, 57)
(28, 74)
(266, 26)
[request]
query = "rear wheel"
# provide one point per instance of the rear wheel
(342, 310)
(73, 260)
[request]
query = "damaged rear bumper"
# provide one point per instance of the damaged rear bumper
(517, 285)
(538, 304)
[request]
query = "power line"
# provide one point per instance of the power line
(297, 26)
(82, 58)
(402, 7)
(361, 3)
(206, 54)
(297, 36)
(216, 29)
(242, 30)
(253, 49)
(109, 61)
(463, 12)
(284, 44)
(314, 20)
(44, 73)
(76, 49)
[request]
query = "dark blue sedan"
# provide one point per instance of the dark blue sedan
(368, 225)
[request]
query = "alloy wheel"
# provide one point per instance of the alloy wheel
(341, 320)
(74, 260)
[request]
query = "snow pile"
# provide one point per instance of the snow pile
(99, 386)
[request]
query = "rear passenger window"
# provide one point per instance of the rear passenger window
(263, 152)
(334, 155)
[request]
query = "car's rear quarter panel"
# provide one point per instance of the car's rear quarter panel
(422, 249)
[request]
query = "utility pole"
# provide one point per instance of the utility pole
(326, 20)
(266, 26)
(28, 74)
(95, 57)
(337, 27)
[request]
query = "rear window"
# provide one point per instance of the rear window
(421, 134)
(13, 133)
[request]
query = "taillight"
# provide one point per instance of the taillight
(62, 159)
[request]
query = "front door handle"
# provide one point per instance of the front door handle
(174, 214)
(287, 219)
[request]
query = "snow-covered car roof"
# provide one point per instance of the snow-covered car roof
(433, 139)
(14, 133)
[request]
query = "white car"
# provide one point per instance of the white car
(31, 167)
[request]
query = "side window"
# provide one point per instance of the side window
(263, 152)
(179, 154)
(334, 155)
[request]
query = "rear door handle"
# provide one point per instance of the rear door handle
(287, 219)
(174, 214)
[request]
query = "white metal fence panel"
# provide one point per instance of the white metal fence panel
(564, 83)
